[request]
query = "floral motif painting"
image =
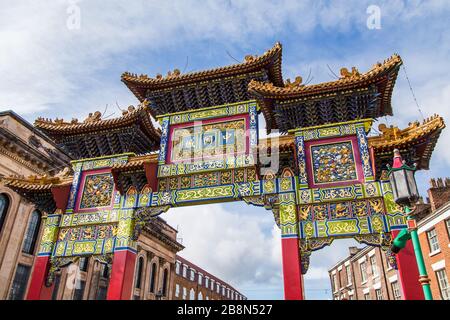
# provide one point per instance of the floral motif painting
(333, 162)
(97, 191)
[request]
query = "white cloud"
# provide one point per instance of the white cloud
(235, 242)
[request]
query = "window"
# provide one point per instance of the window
(20, 282)
(177, 268)
(362, 267)
(56, 287)
(105, 270)
(192, 275)
(192, 294)
(164, 285)
(366, 296)
(340, 278)
(206, 282)
(200, 278)
(441, 276)
(177, 290)
(84, 263)
(32, 233)
(349, 275)
(101, 293)
(153, 278)
(185, 271)
(396, 290)
(139, 268)
(433, 240)
(447, 223)
(184, 293)
(350, 297)
(379, 294)
(373, 266)
(4, 205)
(200, 296)
(335, 285)
(218, 287)
(79, 290)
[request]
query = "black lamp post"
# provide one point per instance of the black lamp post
(404, 189)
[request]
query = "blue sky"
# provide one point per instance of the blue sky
(51, 70)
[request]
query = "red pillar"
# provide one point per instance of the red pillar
(122, 274)
(292, 274)
(37, 289)
(408, 272)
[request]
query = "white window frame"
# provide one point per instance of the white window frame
(363, 274)
(374, 266)
(349, 274)
(396, 290)
(444, 287)
(379, 294)
(433, 241)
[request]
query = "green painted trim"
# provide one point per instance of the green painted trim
(210, 108)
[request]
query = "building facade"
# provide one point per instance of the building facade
(24, 151)
(194, 283)
(434, 236)
(364, 275)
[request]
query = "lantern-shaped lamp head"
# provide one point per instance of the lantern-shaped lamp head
(403, 182)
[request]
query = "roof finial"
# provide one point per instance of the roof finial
(398, 162)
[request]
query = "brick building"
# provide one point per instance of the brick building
(364, 275)
(194, 283)
(434, 236)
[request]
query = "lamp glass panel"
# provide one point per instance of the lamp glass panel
(402, 184)
(412, 183)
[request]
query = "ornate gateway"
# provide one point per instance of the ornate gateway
(328, 184)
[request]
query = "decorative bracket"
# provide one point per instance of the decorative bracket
(143, 216)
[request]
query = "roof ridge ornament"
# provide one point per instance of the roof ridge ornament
(347, 74)
(297, 82)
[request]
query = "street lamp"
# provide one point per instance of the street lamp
(404, 189)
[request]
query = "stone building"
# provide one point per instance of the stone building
(194, 283)
(26, 152)
(364, 275)
(434, 236)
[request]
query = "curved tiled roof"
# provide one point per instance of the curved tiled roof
(35, 183)
(393, 137)
(271, 60)
(382, 75)
(347, 81)
(95, 123)
(135, 162)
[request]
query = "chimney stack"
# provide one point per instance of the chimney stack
(439, 192)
